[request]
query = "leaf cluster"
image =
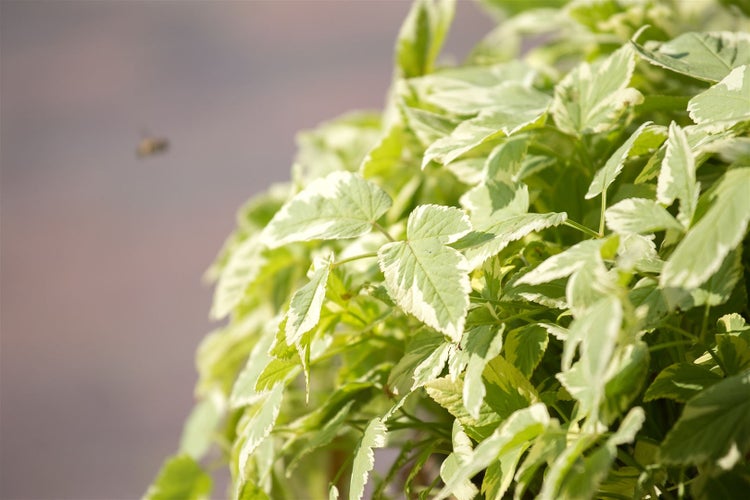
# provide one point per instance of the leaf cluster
(527, 277)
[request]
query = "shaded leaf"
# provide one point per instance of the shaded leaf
(612, 168)
(714, 426)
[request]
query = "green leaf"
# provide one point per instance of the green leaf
(609, 172)
(523, 107)
(727, 102)
(734, 351)
(714, 426)
(640, 216)
(507, 389)
(364, 458)
(200, 426)
(306, 303)
(701, 253)
(341, 205)
(592, 98)
(525, 346)
(627, 373)
(705, 56)
(425, 348)
(422, 35)
(480, 344)
(180, 478)
(449, 394)
(516, 433)
(424, 276)
(242, 268)
(677, 176)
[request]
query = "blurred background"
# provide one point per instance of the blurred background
(102, 252)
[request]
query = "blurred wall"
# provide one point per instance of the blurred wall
(102, 253)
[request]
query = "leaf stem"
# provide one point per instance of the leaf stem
(601, 215)
(356, 257)
(383, 230)
(582, 228)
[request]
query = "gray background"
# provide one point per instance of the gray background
(102, 253)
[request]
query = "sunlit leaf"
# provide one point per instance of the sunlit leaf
(341, 205)
(304, 308)
(364, 458)
(706, 56)
(719, 231)
(677, 176)
(593, 97)
(425, 277)
(724, 104)
(639, 215)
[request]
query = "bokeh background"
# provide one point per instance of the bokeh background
(102, 253)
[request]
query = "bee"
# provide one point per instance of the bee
(150, 146)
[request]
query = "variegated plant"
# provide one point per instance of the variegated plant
(527, 277)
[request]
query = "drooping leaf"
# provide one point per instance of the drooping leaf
(724, 104)
(640, 216)
(340, 205)
(364, 458)
(180, 478)
(680, 382)
(714, 426)
(258, 422)
(422, 35)
(719, 231)
(609, 172)
(243, 391)
(593, 97)
(425, 277)
(705, 56)
(677, 176)
(306, 303)
(462, 452)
